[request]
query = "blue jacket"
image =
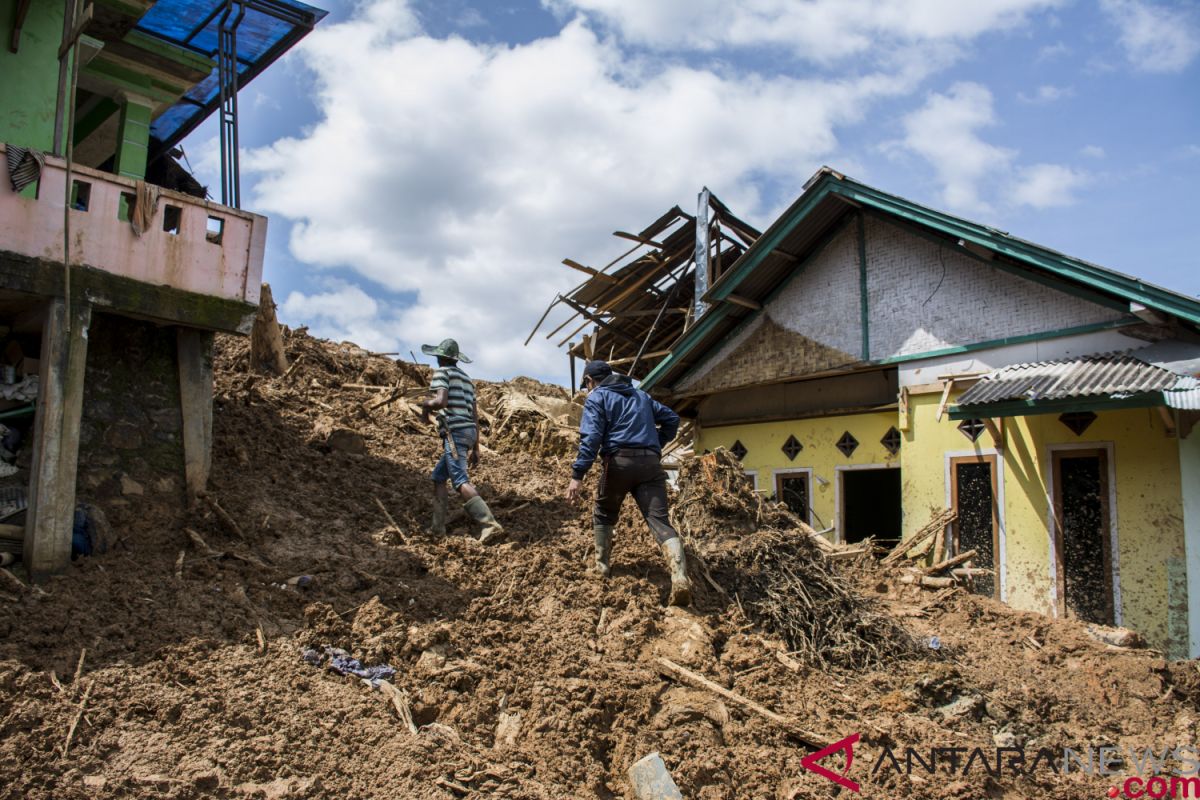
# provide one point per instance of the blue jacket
(618, 415)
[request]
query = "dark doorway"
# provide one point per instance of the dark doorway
(1082, 523)
(973, 495)
(871, 505)
(792, 489)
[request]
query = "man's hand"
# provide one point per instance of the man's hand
(473, 456)
(425, 413)
(574, 490)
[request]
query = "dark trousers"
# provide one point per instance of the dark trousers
(640, 472)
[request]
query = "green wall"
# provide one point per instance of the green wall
(29, 90)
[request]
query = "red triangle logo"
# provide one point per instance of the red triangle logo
(809, 762)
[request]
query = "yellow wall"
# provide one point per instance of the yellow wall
(1149, 510)
(764, 445)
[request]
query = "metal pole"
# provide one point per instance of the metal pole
(227, 80)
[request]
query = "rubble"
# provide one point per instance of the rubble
(518, 673)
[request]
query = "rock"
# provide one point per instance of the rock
(431, 660)
(970, 705)
(124, 436)
(166, 485)
(95, 781)
(347, 441)
(1118, 637)
(507, 728)
(131, 487)
(1007, 738)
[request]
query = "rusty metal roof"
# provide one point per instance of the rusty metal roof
(1111, 376)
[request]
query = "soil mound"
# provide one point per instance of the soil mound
(192, 662)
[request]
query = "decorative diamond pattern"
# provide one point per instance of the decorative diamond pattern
(971, 428)
(739, 450)
(792, 448)
(847, 444)
(891, 441)
(1078, 421)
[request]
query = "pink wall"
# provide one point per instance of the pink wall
(186, 260)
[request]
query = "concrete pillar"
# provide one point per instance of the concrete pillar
(133, 136)
(50, 520)
(195, 399)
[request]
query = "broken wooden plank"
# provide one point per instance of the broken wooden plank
(935, 526)
(399, 700)
(961, 558)
(595, 273)
(699, 681)
(927, 581)
(745, 302)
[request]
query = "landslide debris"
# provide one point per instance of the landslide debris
(523, 675)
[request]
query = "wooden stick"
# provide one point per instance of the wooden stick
(199, 543)
(400, 703)
(961, 558)
(699, 681)
(222, 515)
(179, 565)
(295, 364)
(16, 582)
(926, 580)
(79, 666)
(391, 521)
(262, 640)
(78, 716)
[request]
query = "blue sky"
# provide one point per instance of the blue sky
(426, 165)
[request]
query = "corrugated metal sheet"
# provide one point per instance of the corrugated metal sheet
(1185, 396)
(1113, 376)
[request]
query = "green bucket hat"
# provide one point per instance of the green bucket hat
(447, 349)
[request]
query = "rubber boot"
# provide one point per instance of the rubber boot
(681, 587)
(479, 511)
(604, 534)
(437, 526)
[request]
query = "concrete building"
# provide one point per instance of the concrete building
(873, 361)
(115, 270)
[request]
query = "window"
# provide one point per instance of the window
(172, 217)
(215, 231)
(792, 448)
(738, 449)
(81, 195)
(847, 444)
(1078, 421)
(971, 428)
(891, 441)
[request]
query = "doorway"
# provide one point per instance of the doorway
(793, 488)
(870, 504)
(1082, 527)
(974, 497)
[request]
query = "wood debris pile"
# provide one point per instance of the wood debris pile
(778, 570)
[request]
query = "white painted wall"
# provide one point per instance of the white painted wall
(1189, 469)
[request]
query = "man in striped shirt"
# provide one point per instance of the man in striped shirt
(453, 397)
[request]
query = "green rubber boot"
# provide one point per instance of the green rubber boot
(437, 525)
(604, 534)
(492, 531)
(681, 587)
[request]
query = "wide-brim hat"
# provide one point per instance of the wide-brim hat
(447, 349)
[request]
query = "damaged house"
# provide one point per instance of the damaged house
(115, 268)
(874, 362)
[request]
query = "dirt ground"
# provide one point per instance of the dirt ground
(527, 677)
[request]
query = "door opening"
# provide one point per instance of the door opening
(1083, 548)
(973, 495)
(793, 490)
(871, 505)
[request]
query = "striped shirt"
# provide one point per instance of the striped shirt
(460, 412)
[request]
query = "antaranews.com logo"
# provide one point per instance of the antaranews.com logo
(1164, 772)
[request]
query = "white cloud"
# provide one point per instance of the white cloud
(1046, 94)
(976, 175)
(1047, 185)
(468, 178)
(1052, 51)
(1092, 151)
(820, 30)
(1155, 38)
(945, 132)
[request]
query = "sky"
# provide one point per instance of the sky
(427, 164)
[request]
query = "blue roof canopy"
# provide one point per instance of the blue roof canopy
(267, 30)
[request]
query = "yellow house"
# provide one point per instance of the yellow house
(873, 361)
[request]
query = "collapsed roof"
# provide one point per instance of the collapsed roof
(640, 303)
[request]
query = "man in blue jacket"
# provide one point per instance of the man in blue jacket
(627, 429)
